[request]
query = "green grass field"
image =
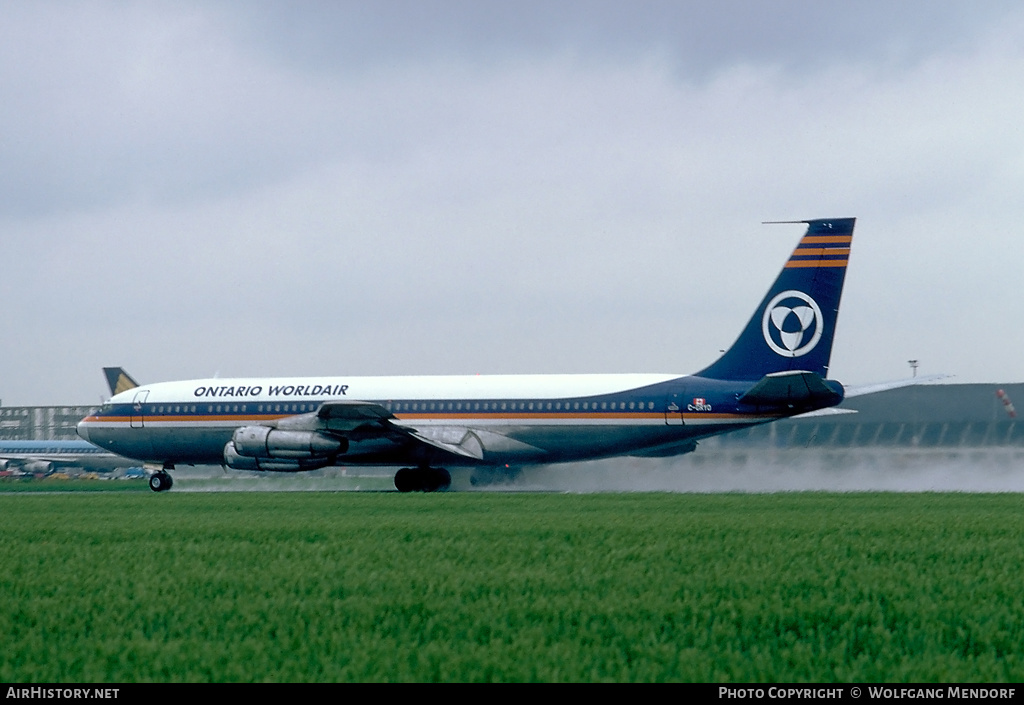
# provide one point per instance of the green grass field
(34, 486)
(511, 587)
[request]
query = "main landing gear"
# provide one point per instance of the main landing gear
(160, 481)
(422, 480)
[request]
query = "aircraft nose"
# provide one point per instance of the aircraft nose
(83, 430)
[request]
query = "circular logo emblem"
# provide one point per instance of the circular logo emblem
(792, 324)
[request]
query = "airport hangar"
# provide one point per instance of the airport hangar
(936, 417)
(41, 423)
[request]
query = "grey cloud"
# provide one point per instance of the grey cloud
(108, 104)
(700, 37)
(240, 187)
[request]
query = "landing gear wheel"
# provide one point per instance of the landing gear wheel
(406, 480)
(160, 481)
(422, 480)
(441, 480)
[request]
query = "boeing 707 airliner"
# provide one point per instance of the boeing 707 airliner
(776, 368)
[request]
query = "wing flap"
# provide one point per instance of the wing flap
(460, 441)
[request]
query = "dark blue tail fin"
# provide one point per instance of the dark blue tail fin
(793, 327)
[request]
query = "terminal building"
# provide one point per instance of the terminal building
(937, 416)
(41, 423)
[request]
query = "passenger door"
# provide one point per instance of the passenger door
(138, 419)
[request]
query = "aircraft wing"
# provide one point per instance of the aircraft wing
(340, 415)
(360, 419)
(828, 411)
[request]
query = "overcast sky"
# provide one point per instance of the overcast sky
(350, 188)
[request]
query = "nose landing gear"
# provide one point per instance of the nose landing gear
(160, 481)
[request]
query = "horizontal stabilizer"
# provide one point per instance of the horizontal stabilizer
(829, 411)
(861, 390)
(791, 389)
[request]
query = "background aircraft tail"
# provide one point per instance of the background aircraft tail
(793, 327)
(118, 380)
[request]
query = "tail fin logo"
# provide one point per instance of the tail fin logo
(792, 324)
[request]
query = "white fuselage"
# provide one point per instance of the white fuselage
(516, 418)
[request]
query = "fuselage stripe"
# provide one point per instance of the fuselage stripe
(453, 419)
(826, 239)
(822, 251)
(795, 263)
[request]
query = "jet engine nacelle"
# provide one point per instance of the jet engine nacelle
(37, 466)
(245, 462)
(267, 442)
